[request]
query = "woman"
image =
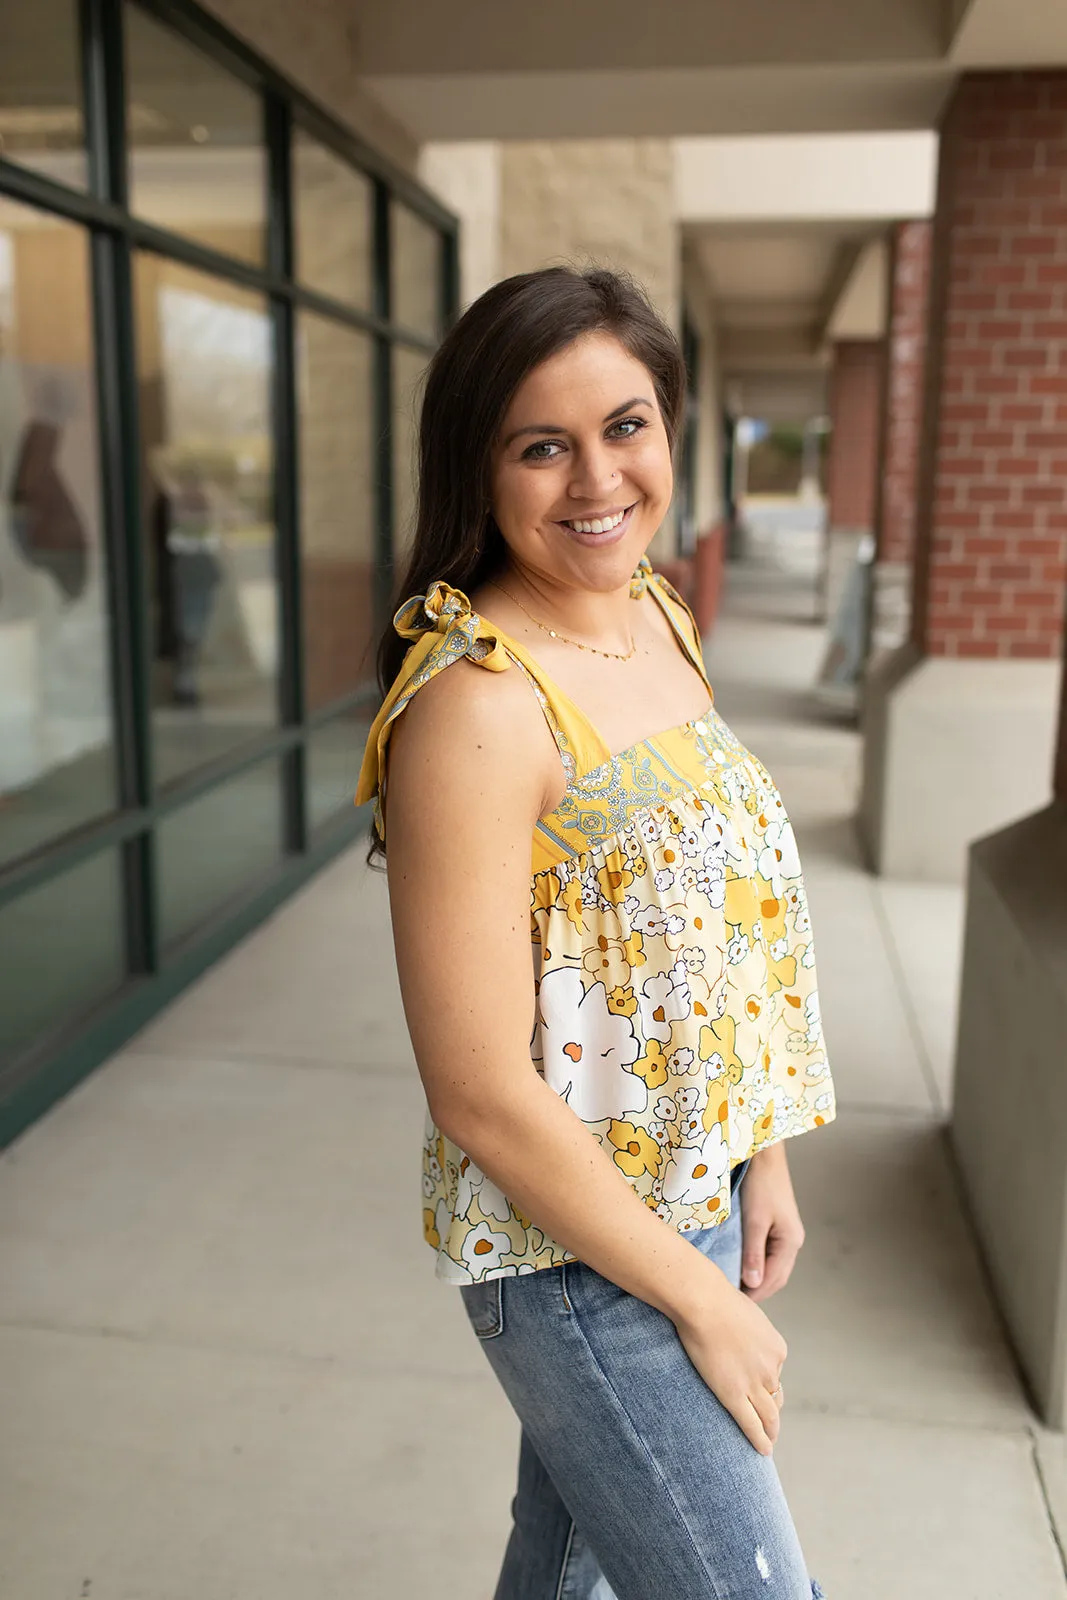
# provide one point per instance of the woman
(590, 1121)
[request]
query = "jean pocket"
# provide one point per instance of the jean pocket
(484, 1305)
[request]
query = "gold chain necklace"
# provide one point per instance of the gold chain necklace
(611, 655)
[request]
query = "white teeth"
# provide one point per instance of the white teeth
(598, 524)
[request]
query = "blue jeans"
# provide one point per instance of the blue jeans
(635, 1482)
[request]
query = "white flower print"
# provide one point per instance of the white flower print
(665, 999)
(737, 949)
(482, 1249)
(682, 1061)
(493, 1201)
(585, 1049)
(663, 879)
(692, 842)
(715, 1066)
(812, 1012)
(657, 1131)
(778, 949)
(816, 1068)
(434, 1168)
(824, 1101)
(807, 960)
(687, 1100)
(666, 1109)
(692, 1126)
(757, 932)
(428, 1185)
(673, 923)
(690, 1225)
(694, 958)
(778, 856)
(649, 921)
(695, 1171)
(711, 881)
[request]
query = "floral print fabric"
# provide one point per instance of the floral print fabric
(677, 1007)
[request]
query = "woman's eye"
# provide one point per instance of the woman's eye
(633, 425)
(541, 450)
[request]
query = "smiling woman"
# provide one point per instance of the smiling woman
(590, 1121)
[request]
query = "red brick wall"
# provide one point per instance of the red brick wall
(855, 412)
(909, 276)
(993, 478)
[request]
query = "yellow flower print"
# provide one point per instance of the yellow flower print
(720, 1037)
(622, 1002)
(741, 908)
(546, 890)
(781, 974)
(635, 1152)
(652, 1066)
(429, 1229)
(633, 950)
(615, 877)
(763, 1126)
(771, 909)
(639, 867)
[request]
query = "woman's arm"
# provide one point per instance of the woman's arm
(468, 778)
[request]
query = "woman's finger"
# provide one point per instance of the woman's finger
(750, 1422)
(767, 1411)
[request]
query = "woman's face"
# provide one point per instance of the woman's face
(581, 473)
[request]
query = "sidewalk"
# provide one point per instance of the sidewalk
(226, 1370)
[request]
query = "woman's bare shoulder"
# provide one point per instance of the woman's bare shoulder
(467, 723)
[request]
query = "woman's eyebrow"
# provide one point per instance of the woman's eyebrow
(553, 427)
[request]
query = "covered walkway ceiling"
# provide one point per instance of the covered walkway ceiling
(478, 69)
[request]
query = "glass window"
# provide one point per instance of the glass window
(64, 949)
(204, 357)
(334, 756)
(41, 123)
(197, 160)
(408, 369)
(333, 214)
(57, 761)
(416, 272)
(337, 472)
(217, 847)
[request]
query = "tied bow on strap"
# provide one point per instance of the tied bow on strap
(447, 611)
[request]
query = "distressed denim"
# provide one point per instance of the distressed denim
(635, 1483)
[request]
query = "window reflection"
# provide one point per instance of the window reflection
(41, 122)
(204, 367)
(416, 272)
(333, 216)
(56, 751)
(197, 162)
(408, 369)
(337, 507)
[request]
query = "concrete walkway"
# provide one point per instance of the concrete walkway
(226, 1370)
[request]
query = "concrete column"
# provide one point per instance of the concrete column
(1009, 1119)
(852, 470)
(901, 423)
(959, 723)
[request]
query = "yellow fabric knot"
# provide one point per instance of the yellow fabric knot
(439, 609)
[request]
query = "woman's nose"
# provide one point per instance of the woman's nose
(593, 475)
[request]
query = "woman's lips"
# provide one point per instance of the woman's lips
(612, 536)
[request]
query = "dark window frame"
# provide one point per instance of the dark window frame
(115, 234)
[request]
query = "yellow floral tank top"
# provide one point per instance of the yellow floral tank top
(677, 1011)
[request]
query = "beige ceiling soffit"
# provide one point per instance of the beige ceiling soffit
(954, 15)
(1010, 34)
(845, 264)
(465, 36)
(683, 102)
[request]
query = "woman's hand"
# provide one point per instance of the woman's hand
(771, 1227)
(739, 1354)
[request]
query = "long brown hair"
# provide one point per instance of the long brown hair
(498, 341)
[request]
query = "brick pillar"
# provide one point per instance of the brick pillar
(968, 708)
(855, 405)
(993, 484)
(855, 410)
(901, 420)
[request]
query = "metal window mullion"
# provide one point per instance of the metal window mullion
(383, 408)
(285, 424)
(113, 339)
